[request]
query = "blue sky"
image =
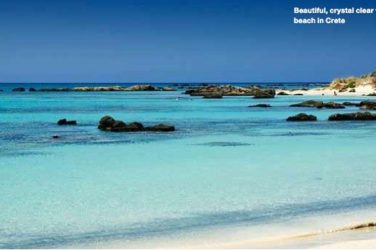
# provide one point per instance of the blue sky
(179, 41)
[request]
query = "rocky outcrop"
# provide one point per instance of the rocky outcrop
(229, 90)
(100, 88)
(107, 123)
(302, 117)
(319, 104)
(260, 106)
(19, 89)
(64, 121)
(333, 105)
(368, 105)
(55, 89)
(350, 83)
(32, 90)
(160, 128)
(309, 104)
(282, 93)
(139, 87)
(264, 93)
(359, 116)
(226, 90)
(213, 96)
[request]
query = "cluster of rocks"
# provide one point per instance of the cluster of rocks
(358, 116)
(139, 87)
(302, 117)
(319, 105)
(370, 105)
(107, 123)
(216, 91)
(21, 89)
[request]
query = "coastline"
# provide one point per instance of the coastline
(359, 91)
(313, 232)
(355, 229)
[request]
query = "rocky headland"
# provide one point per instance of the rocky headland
(364, 85)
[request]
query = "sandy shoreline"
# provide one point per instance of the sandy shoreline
(362, 90)
(352, 230)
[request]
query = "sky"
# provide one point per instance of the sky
(180, 41)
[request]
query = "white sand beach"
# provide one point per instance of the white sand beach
(347, 230)
(362, 90)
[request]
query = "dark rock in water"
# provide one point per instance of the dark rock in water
(1, 90)
(282, 93)
(372, 94)
(229, 90)
(264, 93)
(135, 126)
(161, 128)
(18, 89)
(213, 96)
(260, 106)
(66, 122)
(298, 94)
(55, 137)
(351, 104)
(302, 117)
(107, 123)
(333, 105)
(359, 116)
(141, 87)
(55, 89)
(352, 90)
(309, 104)
(319, 105)
(367, 105)
(118, 126)
(190, 91)
(32, 90)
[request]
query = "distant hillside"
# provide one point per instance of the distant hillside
(346, 84)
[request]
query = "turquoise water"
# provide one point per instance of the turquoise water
(225, 164)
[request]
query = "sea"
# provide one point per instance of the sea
(226, 165)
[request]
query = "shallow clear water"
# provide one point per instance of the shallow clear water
(226, 163)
